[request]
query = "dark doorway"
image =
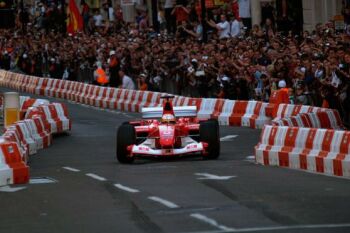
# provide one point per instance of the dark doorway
(7, 18)
(289, 16)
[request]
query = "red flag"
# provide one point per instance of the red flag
(75, 20)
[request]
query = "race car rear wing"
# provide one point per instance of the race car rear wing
(157, 112)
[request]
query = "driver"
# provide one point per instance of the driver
(168, 118)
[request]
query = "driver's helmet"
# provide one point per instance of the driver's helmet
(168, 118)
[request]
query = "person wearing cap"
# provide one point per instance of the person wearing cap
(100, 75)
(280, 96)
(283, 92)
(114, 67)
(141, 82)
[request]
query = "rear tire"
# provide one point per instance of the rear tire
(126, 136)
(209, 133)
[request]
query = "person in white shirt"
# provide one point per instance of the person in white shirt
(127, 82)
(197, 31)
(98, 19)
(244, 13)
(235, 27)
(223, 27)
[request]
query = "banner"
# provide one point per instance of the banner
(74, 20)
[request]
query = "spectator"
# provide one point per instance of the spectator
(98, 18)
(181, 14)
(141, 82)
(127, 82)
(223, 27)
(235, 29)
(169, 17)
(114, 67)
(314, 67)
(85, 13)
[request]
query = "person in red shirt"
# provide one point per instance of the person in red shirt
(181, 14)
(85, 13)
(235, 9)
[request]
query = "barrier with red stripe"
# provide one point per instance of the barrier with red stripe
(13, 169)
(317, 150)
(228, 112)
(34, 132)
(292, 147)
(325, 119)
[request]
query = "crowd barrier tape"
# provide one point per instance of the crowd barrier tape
(292, 147)
(316, 150)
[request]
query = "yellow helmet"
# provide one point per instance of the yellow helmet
(168, 118)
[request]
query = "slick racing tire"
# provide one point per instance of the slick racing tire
(126, 136)
(209, 133)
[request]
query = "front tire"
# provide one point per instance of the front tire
(209, 133)
(126, 136)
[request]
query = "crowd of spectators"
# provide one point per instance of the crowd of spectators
(237, 62)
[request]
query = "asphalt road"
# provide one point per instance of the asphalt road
(94, 193)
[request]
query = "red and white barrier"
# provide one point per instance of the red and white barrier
(289, 110)
(25, 137)
(56, 115)
(280, 151)
(12, 169)
(27, 102)
(12, 135)
(207, 108)
(326, 120)
(317, 150)
(244, 113)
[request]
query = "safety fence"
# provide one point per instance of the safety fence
(317, 150)
(254, 114)
(39, 120)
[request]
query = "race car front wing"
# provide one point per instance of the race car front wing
(144, 150)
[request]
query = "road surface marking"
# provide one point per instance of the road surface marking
(8, 189)
(207, 176)
(71, 169)
(42, 180)
(96, 177)
(211, 221)
(280, 228)
(125, 188)
(228, 138)
(162, 201)
(250, 159)
(161, 167)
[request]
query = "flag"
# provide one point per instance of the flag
(75, 20)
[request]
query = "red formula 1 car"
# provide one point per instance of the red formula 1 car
(168, 131)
